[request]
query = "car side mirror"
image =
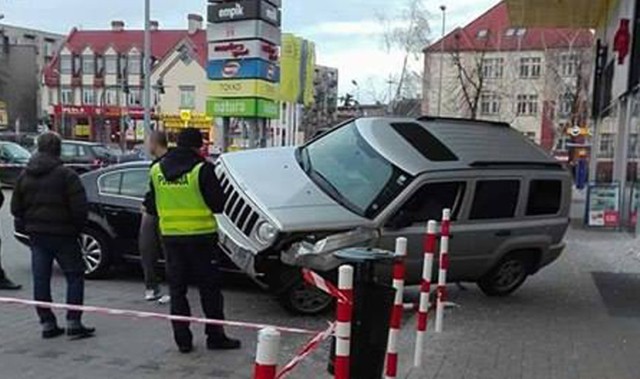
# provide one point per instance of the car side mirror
(401, 219)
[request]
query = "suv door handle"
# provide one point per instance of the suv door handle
(503, 233)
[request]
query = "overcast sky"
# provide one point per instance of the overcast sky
(346, 32)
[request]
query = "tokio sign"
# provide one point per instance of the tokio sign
(243, 107)
(243, 49)
(243, 30)
(244, 88)
(244, 10)
(252, 68)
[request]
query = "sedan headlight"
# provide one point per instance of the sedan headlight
(266, 232)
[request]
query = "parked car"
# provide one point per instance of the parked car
(88, 156)
(13, 159)
(115, 196)
(371, 180)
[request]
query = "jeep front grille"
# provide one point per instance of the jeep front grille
(239, 211)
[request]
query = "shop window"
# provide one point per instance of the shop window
(544, 197)
(495, 199)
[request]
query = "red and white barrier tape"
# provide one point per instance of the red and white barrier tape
(430, 242)
(322, 284)
(147, 315)
(306, 350)
(444, 266)
(398, 307)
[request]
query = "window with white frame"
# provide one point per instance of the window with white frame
(134, 64)
(489, 104)
(568, 65)
(66, 96)
(111, 96)
(88, 64)
(111, 64)
(527, 105)
(88, 96)
(483, 33)
(66, 64)
(607, 144)
(492, 68)
(530, 67)
(187, 97)
(134, 98)
(561, 143)
(565, 105)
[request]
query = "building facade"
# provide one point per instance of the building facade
(25, 53)
(536, 79)
(94, 85)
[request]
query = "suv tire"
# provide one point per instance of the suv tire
(96, 254)
(507, 276)
(302, 299)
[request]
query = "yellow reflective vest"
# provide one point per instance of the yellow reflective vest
(182, 210)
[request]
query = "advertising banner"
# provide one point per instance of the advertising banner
(603, 205)
(244, 10)
(243, 30)
(244, 88)
(290, 61)
(253, 68)
(244, 107)
(248, 49)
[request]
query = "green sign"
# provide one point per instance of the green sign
(243, 107)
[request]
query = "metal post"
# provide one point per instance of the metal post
(621, 157)
(147, 68)
(443, 8)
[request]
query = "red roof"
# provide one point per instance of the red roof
(493, 31)
(162, 43)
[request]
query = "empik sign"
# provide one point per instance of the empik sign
(244, 10)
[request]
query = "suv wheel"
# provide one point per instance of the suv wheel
(95, 254)
(302, 299)
(507, 276)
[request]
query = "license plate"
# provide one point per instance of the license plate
(238, 255)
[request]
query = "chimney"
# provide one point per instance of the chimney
(117, 26)
(154, 25)
(195, 23)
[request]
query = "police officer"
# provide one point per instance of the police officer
(186, 194)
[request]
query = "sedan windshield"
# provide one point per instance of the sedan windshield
(16, 152)
(349, 170)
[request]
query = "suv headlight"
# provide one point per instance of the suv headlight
(266, 232)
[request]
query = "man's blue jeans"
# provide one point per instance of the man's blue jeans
(65, 250)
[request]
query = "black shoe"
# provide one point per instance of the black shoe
(81, 332)
(185, 349)
(223, 343)
(6, 284)
(52, 333)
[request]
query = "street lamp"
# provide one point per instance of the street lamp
(147, 68)
(443, 8)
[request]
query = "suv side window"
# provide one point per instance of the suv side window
(135, 183)
(495, 199)
(110, 183)
(545, 197)
(429, 201)
(68, 151)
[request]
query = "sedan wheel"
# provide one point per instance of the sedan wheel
(94, 254)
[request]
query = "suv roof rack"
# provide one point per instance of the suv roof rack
(456, 119)
(514, 164)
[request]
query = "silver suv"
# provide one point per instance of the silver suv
(371, 180)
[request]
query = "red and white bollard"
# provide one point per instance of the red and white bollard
(444, 266)
(267, 354)
(430, 241)
(343, 323)
(398, 306)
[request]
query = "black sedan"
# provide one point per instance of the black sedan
(115, 196)
(13, 159)
(88, 156)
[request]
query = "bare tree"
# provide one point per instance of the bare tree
(471, 77)
(406, 32)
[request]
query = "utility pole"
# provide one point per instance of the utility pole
(147, 69)
(443, 8)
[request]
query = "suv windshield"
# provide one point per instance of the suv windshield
(349, 170)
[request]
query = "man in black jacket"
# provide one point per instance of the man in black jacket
(5, 282)
(186, 194)
(51, 202)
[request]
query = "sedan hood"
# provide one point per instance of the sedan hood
(274, 181)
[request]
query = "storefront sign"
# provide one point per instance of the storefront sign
(247, 49)
(176, 121)
(244, 88)
(82, 130)
(74, 110)
(248, 107)
(244, 30)
(244, 10)
(243, 69)
(603, 205)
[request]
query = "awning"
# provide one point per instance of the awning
(559, 13)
